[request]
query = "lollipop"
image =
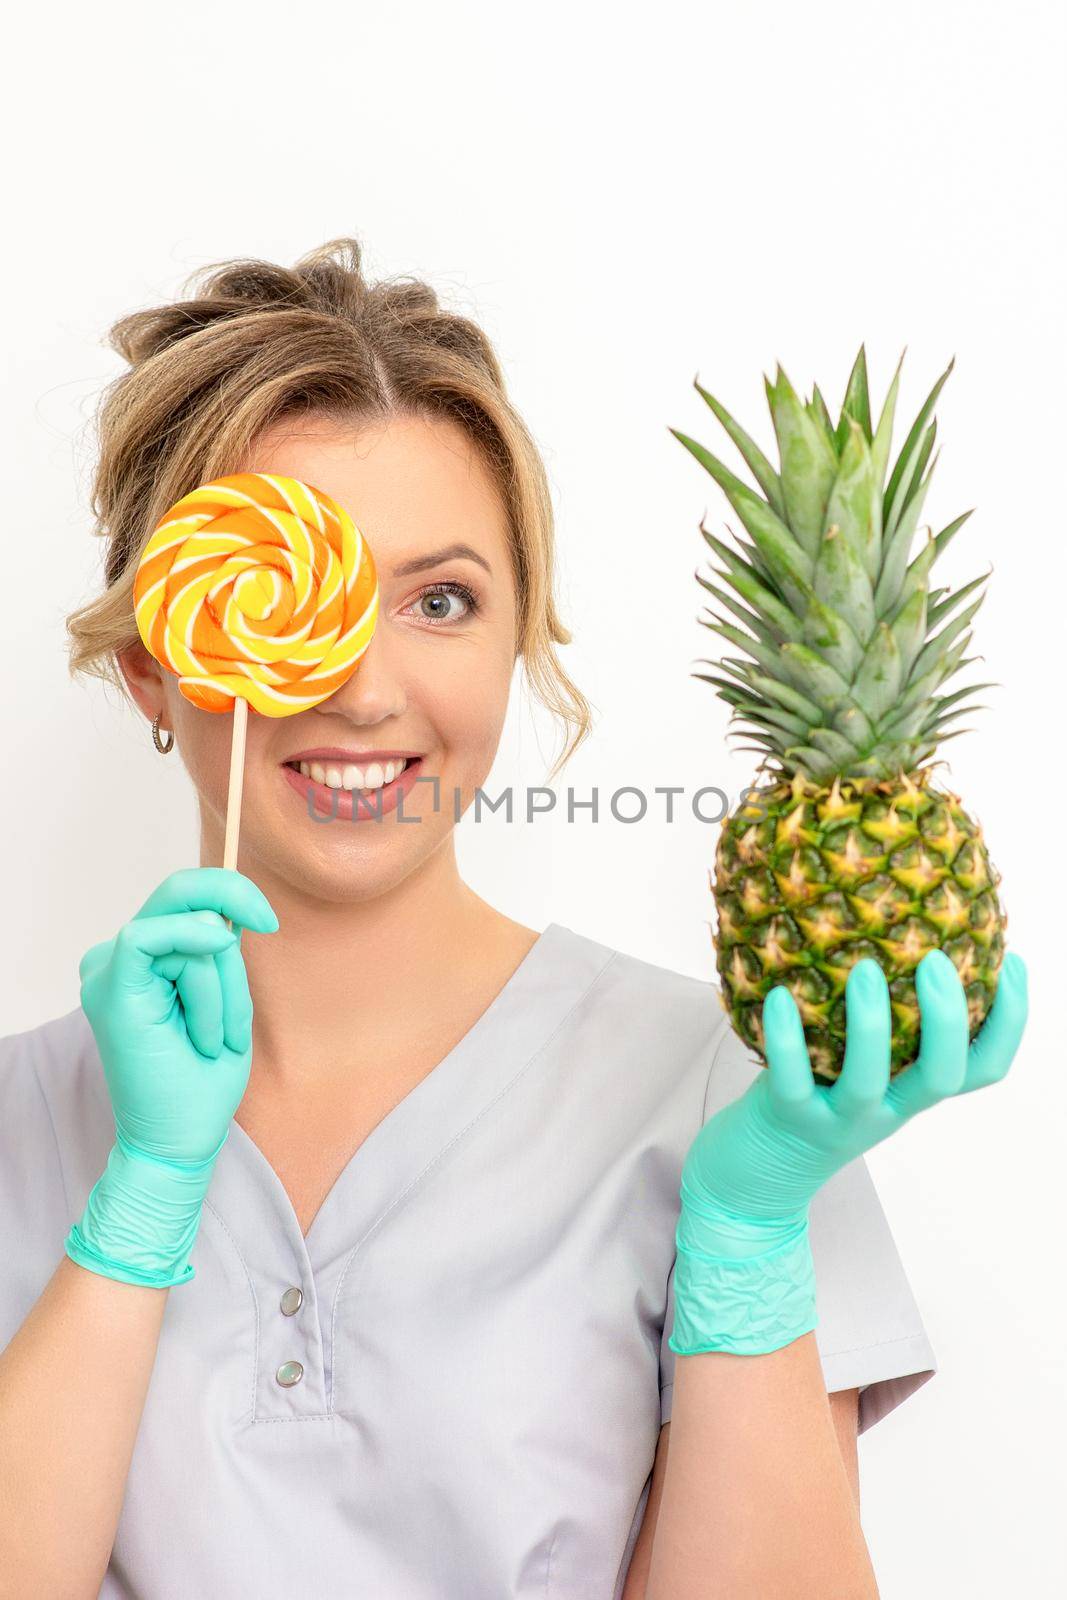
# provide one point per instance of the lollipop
(256, 588)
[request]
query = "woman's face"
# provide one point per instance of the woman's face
(433, 683)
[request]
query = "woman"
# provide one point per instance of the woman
(423, 1200)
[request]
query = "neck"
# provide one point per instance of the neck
(348, 982)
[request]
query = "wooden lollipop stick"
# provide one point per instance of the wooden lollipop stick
(237, 774)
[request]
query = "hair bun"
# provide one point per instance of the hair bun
(328, 280)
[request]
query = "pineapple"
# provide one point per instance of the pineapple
(847, 847)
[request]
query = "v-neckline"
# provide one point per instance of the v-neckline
(416, 1132)
(258, 1154)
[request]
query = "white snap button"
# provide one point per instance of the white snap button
(292, 1300)
(288, 1373)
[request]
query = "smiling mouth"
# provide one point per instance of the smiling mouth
(352, 779)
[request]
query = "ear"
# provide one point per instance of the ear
(144, 678)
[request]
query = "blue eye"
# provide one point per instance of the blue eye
(454, 591)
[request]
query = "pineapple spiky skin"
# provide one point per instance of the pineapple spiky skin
(811, 878)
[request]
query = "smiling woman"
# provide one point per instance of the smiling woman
(412, 1166)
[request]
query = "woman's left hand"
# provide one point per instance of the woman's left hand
(765, 1155)
(754, 1167)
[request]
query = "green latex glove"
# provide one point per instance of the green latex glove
(744, 1276)
(167, 999)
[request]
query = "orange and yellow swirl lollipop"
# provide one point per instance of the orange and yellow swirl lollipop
(256, 588)
(260, 587)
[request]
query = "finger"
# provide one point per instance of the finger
(868, 1040)
(236, 999)
(944, 1023)
(993, 1051)
(941, 1066)
(201, 998)
(169, 967)
(786, 1049)
(139, 942)
(218, 889)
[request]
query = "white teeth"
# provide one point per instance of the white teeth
(374, 776)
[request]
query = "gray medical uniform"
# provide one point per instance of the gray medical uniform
(453, 1388)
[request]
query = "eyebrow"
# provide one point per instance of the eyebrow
(448, 552)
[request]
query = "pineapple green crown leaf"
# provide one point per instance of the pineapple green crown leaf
(845, 646)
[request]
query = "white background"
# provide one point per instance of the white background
(626, 199)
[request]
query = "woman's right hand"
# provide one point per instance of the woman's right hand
(168, 1002)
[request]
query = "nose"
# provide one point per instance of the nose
(375, 690)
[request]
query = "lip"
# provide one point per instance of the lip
(355, 758)
(350, 805)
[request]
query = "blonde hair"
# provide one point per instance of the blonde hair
(258, 342)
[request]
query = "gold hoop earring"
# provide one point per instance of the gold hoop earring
(164, 749)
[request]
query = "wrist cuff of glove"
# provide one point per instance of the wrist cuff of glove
(745, 1305)
(79, 1251)
(141, 1219)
